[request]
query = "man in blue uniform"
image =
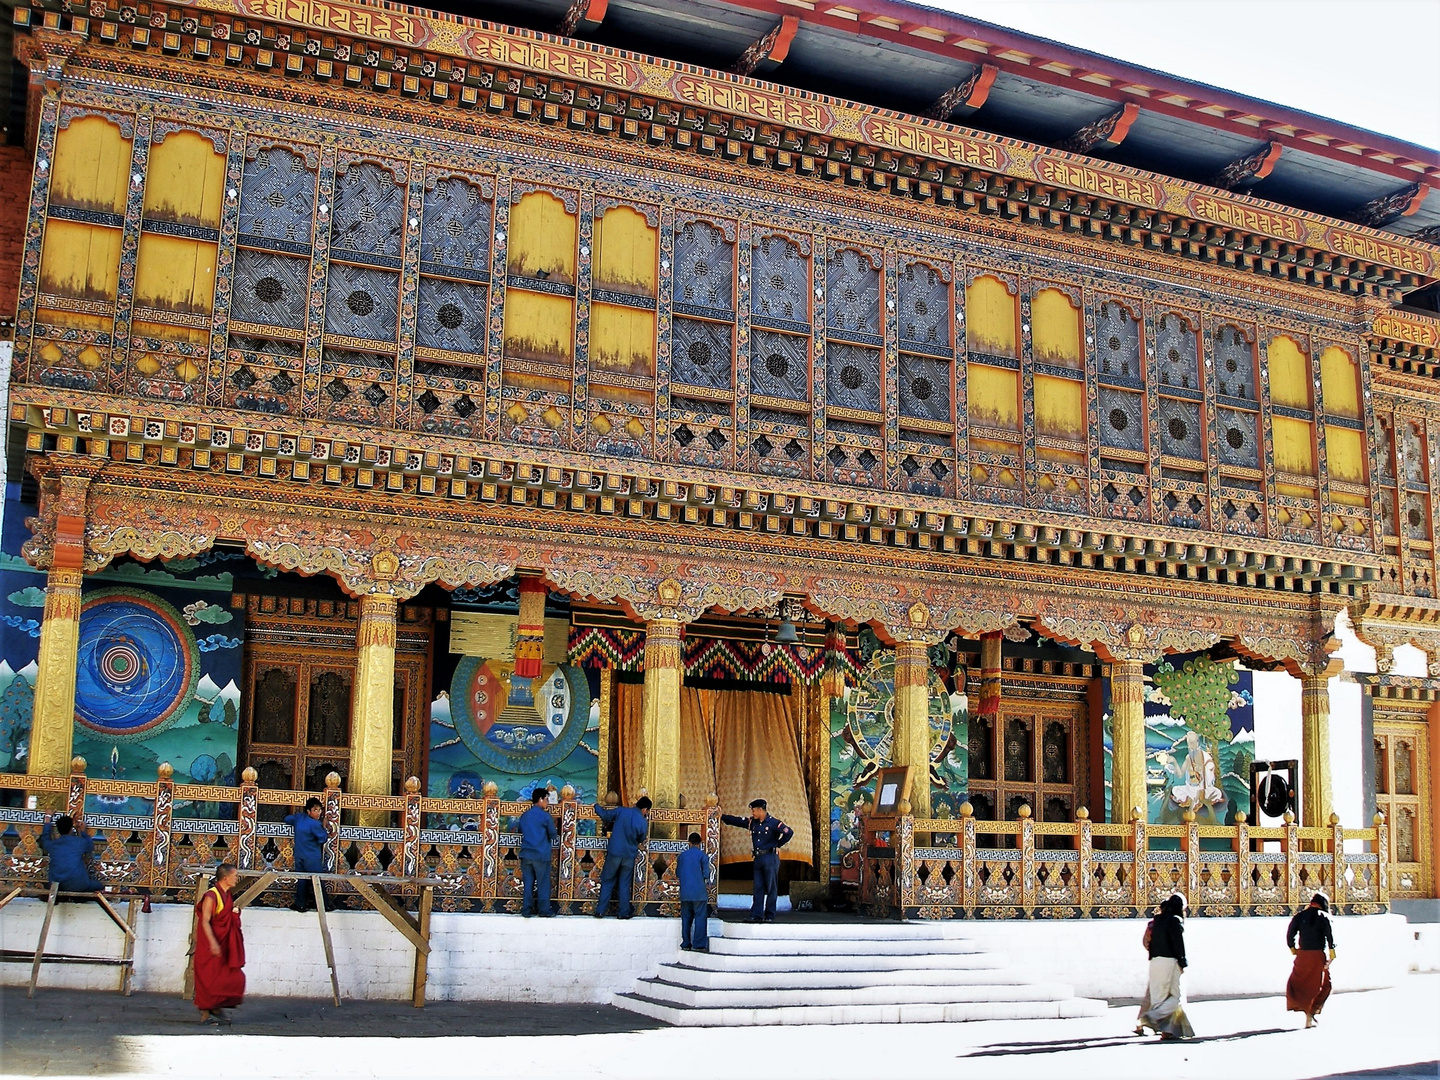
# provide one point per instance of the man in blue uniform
(767, 836)
(537, 838)
(628, 828)
(692, 869)
(67, 855)
(309, 847)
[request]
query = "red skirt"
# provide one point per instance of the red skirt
(1309, 983)
(220, 980)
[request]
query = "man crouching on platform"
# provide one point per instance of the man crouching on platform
(767, 836)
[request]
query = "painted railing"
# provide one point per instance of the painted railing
(932, 868)
(479, 866)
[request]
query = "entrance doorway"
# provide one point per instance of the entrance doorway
(1402, 794)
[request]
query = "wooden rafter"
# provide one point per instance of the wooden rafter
(770, 51)
(1380, 212)
(1250, 169)
(966, 97)
(1104, 134)
(583, 16)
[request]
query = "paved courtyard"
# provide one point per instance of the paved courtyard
(1390, 1034)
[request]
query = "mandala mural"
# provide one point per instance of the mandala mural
(138, 664)
(514, 724)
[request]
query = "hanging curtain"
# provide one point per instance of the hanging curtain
(757, 744)
(629, 740)
(697, 745)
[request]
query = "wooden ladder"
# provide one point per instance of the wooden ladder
(125, 962)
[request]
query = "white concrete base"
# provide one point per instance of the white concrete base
(1426, 957)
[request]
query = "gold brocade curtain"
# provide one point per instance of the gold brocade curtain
(756, 739)
(629, 740)
(697, 745)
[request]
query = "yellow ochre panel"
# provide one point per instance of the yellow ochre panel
(1294, 445)
(991, 314)
(140, 329)
(185, 181)
(82, 261)
(1340, 382)
(539, 326)
(51, 317)
(1059, 407)
(1345, 454)
(622, 339)
(994, 396)
(175, 274)
(625, 250)
(1289, 373)
(542, 238)
(92, 166)
(1055, 326)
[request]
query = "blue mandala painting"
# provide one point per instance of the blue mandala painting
(138, 664)
(519, 725)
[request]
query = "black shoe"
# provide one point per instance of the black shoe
(624, 917)
(686, 948)
(769, 918)
(548, 915)
(597, 914)
(701, 948)
(526, 915)
(754, 920)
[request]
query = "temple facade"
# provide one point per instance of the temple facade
(400, 394)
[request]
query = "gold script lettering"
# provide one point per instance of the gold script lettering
(1223, 212)
(1366, 247)
(727, 97)
(937, 144)
(1096, 182)
(342, 18)
(1404, 330)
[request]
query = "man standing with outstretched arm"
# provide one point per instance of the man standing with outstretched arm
(767, 836)
(628, 828)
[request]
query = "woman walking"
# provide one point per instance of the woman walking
(219, 950)
(1163, 1007)
(1309, 983)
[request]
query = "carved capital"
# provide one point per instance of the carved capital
(58, 531)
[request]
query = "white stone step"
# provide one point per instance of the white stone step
(749, 962)
(758, 998)
(796, 930)
(861, 1014)
(701, 979)
(835, 946)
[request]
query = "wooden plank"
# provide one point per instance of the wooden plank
(422, 959)
(261, 884)
(11, 895)
(109, 909)
(385, 905)
(325, 936)
(44, 933)
(188, 988)
(127, 955)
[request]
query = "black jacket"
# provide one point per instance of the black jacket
(1313, 928)
(1167, 937)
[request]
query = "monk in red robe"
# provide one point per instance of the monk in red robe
(219, 950)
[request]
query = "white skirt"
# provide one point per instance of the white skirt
(1163, 1007)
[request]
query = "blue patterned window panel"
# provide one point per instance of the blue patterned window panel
(1234, 364)
(780, 281)
(361, 303)
(701, 354)
(704, 268)
(853, 377)
(1122, 419)
(369, 206)
(455, 227)
(925, 388)
(1180, 431)
(1175, 353)
(270, 289)
(852, 293)
(1238, 442)
(924, 307)
(452, 316)
(1117, 343)
(277, 197)
(780, 365)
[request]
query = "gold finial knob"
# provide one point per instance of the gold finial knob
(1082, 814)
(1334, 819)
(967, 810)
(249, 776)
(867, 807)
(165, 770)
(490, 789)
(412, 785)
(1188, 817)
(902, 807)
(1240, 817)
(77, 764)
(1379, 819)
(567, 793)
(712, 799)
(612, 798)
(1289, 817)
(1136, 815)
(332, 780)
(1024, 812)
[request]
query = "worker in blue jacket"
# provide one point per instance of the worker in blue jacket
(309, 851)
(767, 836)
(537, 839)
(628, 828)
(67, 855)
(692, 868)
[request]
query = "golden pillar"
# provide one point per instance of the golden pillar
(52, 726)
(664, 673)
(990, 674)
(912, 720)
(372, 723)
(1127, 726)
(1315, 747)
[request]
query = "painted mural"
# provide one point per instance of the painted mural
(1199, 739)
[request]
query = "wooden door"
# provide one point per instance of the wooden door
(1402, 794)
(1030, 754)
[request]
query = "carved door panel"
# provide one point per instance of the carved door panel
(1030, 755)
(1402, 794)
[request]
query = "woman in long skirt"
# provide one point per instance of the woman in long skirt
(219, 950)
(1163, 1008)
(1309, 984)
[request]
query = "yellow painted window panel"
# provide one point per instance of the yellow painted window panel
(92, 166)
(1345, 498)
(539, 326)
(169, 333)
(1296, 491)
(175, 274)
(994, 396)
(1289, 373)
(991, 314)
(1294, 445)
(185, 181)
(622, 339)
(625, 252)
(1059, 407)
(78, 260)
(1055, 325)
(1345, 454)
(1340, 382)
(51, 317)
(542, 238)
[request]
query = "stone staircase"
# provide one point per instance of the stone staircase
(847, 973)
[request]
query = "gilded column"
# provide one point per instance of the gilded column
(372, 724)
(912, 720)
(1315, 747)
(1127, 725)
(53, 724)
(664, 673)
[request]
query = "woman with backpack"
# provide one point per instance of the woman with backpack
(1163, 1008)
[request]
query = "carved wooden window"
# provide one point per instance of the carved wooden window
(780, 280)
(1037, 764)
(274, 706)
(1404, 767)
(329, 714)
(1117, 343)
(274, 774)
(270, 289)
(983, 805)
(1235, 364)
(1055, 760)
(1176, 353)
(925, 387)
(1122, 419)
(1402, 794)
(455, 229)
(853, 377)
(704, 269)
(702, 354)
(852, 293)
(453, 316)
(1239, 443)
(780, 365)
(981, 764)
(924, 309)
(277, 198)
(1181, 434)
(362, 302)
(1018, 750)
